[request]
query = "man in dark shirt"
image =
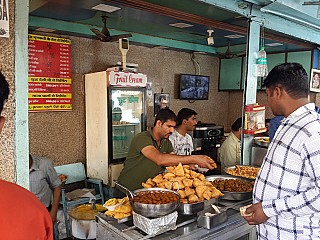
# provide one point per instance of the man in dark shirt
(150, 150)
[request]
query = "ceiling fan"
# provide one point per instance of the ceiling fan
(311, 3)
(104, 34)
(229, 54)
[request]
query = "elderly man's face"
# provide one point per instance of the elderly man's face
(163, 103)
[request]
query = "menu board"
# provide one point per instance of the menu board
(49, 74)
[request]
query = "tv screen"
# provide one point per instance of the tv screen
(194, 87)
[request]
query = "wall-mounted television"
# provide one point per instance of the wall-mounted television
(194, 87)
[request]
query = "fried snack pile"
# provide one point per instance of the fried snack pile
(244, 171)
(121, 211)
(192, 186)
(233, 185)
(113, 201)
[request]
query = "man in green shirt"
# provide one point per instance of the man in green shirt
(150, 150)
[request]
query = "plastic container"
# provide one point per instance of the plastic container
(254, 119)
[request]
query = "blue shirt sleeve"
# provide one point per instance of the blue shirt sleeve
(273, 126)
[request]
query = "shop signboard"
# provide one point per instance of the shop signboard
(127, 79)
(4, 19)
(49, 74)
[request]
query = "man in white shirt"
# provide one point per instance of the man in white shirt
(182, 141)
(45, 183)
(286, 194)
(230, 148)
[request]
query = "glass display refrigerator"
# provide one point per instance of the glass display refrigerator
(115, 113)
(128, 118)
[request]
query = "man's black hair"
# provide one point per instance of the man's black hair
(162, 96)
(292, 77)
(184, 113)
(164, 115)
(4, 91)
(237, 124)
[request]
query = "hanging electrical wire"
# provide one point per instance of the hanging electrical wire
(195, 64)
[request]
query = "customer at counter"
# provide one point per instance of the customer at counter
(45, 183)
(182, 141)
(150, 150)
(22, 215)
(286, 193)
(230, 149)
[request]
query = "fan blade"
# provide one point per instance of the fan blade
(311, 3)
(240, 54)
(117, 37)
(100, 35)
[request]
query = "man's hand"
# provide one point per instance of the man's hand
(53, 215)
(256, 213)
(205, 161)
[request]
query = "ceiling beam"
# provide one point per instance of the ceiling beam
(79, 29)
(192, 18)
(270, 21)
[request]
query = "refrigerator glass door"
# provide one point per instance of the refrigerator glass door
(127, 119)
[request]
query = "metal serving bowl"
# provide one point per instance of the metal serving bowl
(231, 195)
(154, 210)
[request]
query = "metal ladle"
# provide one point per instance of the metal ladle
(132, 195)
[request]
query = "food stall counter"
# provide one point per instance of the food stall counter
(187, 228)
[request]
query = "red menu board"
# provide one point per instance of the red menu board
(49, 74)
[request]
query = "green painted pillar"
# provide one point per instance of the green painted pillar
(21, 89)
(250, 91)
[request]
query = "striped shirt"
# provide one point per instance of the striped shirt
(43, 179)
(289, 181)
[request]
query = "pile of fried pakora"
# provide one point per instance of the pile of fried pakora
(244, 171)
(122, 211)
(192, 186)
(233, 185)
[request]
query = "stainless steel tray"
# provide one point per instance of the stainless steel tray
(193, 208)
(209, 222)
(231, 195)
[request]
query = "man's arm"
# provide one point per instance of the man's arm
(165, 159)
(55, 203)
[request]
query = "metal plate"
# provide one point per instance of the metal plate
(193, 208)
(259, 141)
(233, 167)
(108, 218)
(231, 195)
